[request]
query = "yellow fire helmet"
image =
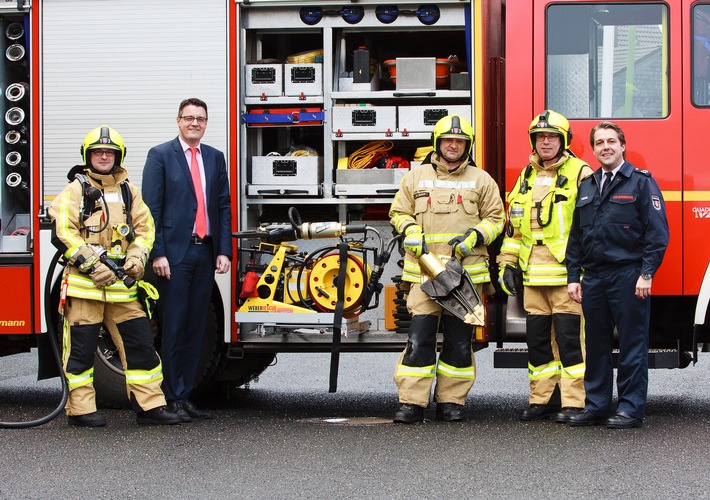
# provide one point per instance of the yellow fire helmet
(453, 127)
(105, 138)
(550, 121)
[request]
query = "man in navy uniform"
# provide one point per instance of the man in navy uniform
(618, 237)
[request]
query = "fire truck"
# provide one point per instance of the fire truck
(320, 108)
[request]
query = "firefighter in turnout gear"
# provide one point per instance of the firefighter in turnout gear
(540, 209)
(105, 231)
(456, 208)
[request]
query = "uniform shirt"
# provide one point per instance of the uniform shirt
(628, 227)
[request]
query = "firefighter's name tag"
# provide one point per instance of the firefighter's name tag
(112, 197)
(544, 181)
(517, 212)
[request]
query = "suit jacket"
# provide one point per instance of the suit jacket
(170, 194)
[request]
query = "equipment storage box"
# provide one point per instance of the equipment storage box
(306, 79)
(16, 235)
(368, 181)
(286, 176)
(423, 118)
(364, 119)
(416, 73)
(264, 79)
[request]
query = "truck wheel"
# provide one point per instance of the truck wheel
(215, 369)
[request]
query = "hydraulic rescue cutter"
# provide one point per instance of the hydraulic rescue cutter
(450, 286)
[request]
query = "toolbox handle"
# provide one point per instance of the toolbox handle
(414, 94)
(282, 191)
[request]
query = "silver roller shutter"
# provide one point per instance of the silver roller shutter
(128, 64)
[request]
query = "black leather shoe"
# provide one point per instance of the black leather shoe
(158, 416)
(94, 419)
(585, 417)
(408, 414)
(623, 421)
(176, 408)
(193, 410)
(539, 412)
(564, 415)
(449, 412)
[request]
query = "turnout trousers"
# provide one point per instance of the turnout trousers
(131, 332)
(417, 366)
(555, 338)
(610, 301)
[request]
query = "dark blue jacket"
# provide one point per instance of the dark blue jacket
(170, 194)
(627, 226)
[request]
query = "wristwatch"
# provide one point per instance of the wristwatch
(646, 276)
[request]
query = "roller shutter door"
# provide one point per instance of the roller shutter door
(128, 64)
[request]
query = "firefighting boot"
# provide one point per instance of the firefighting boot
(94, 419)
(157, 416)
(408, 414)
(449, 412)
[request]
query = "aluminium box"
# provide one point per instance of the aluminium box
(264, 79)
(368, 181)
(416, 73)
(364, 119)
(423, 118)
(306, 79)
(286, 175)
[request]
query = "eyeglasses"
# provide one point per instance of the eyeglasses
(189, 119)
(110, 153)
(548, 137)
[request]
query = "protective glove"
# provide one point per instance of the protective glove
(134, 268)
(102, 276)
(506, 279)
(414, 240)
(466, 243)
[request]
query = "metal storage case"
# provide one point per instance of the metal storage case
(368, 181)
(364, 119)
(286, 176)
(306, 79)
(264, 79)
(423, 118)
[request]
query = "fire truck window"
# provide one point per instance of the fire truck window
(607, 60)
(701, 55)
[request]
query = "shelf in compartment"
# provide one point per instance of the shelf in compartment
(383, 200)
(283, 100)
(426, 136)
(402, 94)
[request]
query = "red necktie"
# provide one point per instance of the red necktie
(200, 219)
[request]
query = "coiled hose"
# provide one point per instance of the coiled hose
(52, 332)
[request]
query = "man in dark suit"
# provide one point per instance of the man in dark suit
(185, 185)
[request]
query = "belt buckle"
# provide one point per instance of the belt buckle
(197, 240)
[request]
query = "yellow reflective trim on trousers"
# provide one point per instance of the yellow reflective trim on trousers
(81, 379)
(415, 371)
(446, 370)
(544, 280)
(575, 371)
(551, 369)
(139, 377)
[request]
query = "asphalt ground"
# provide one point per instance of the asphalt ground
(286, 436)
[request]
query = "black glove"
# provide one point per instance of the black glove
(506, 279)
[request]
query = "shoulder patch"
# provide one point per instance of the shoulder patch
(642, 172)
(656, 202)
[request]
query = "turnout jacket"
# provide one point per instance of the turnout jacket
(628, 226)
(446, 205)
(540, 208)
(75, 242)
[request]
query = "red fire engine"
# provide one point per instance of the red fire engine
(315, 98)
